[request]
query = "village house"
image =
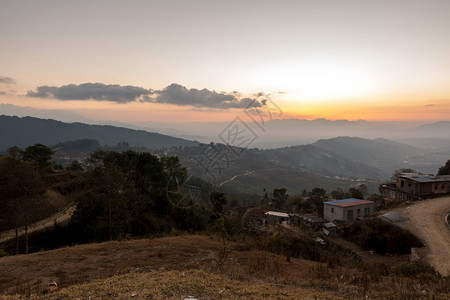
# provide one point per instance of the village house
(415, 186)
(275, 217)
(347, 209)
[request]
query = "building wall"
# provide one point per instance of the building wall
(409, 186)
(358, 211)
(406, 189)
(413, 188)
(442, 187)
(333, 212)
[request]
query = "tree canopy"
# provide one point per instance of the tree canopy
(38, 154)
(128, 194)
(445, 169)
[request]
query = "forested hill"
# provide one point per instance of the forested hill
(22, 132)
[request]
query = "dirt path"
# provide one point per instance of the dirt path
(236, 176)
(427, 220)
(60, 217)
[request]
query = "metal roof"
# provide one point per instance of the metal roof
(278, 214)
(348, 202)
(424, 178)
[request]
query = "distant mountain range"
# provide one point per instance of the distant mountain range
(22, 132)
(276, 133)
(334, 162)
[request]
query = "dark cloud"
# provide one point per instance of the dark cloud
(93, 91)
(429, 105)
(180, 95)
(3, 93)
(7, 80)
(172, 94)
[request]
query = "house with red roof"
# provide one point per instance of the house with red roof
(347, 210)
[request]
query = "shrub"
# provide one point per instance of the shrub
(3, 253)
(381, 236)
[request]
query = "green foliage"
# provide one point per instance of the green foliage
(298, 204)
(19, 183)
(75, 166)
(381, 236)
(15, 152)
(378, 199)
(38, 154)
(128, 194)
(3, 253)
(338, 194)
(218, 201)
(316, 197)
(279, 198)
(445, 169)
(356, 193)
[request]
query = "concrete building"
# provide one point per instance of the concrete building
(414, 186)
(347, 209)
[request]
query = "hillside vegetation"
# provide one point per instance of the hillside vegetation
(22, 132)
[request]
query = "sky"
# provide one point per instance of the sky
(184, 61)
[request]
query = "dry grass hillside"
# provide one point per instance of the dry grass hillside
(179, 266)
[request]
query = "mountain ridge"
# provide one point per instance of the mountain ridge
(25, 131)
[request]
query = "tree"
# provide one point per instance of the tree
(297, 204)
(316, 197)
(38, 154)
(76, 166)
(133, 189)
(218, 201)
(445, 169)
(103, 212)
(363, 189)
(20, 183)
(279, 198)
(338, 194)
(355, 193)
(15, 152)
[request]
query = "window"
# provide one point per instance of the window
(358, 213)
(332, 210)
(392, 194)
(366, 212)
(350, 215)
(443, 186)
(435, 186)
(402, 183)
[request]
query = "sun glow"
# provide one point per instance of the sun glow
(315, 80)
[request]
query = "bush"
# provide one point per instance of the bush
(3, 253)
(381, 236)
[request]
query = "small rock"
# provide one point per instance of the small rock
(52, 287)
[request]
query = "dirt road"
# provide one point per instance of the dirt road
(60, 217)
(427, 220)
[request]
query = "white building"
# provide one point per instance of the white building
(347, 209)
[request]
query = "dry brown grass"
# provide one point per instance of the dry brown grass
(175, 267)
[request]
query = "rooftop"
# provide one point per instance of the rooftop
(348, 202)
(424, 177)
(277, 213)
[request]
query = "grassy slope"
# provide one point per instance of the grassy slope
(176, 267)
(180, 285)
